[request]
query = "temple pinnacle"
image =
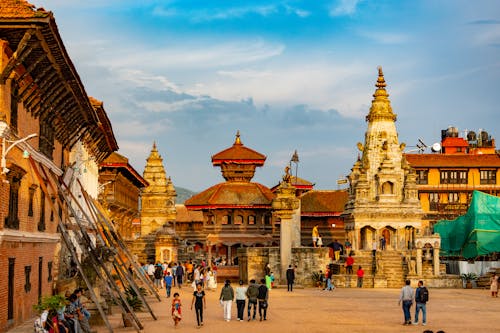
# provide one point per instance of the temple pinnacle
(237, 141)
(380, 81)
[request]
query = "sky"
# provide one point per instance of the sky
(289, 75)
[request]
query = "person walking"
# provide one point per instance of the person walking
(227, 297)
(168, 279)
(406, 297)
(241, 295)
(199, 303)
(349, 262)
(421, 298)
(179, 273)
(494, 285)
(252, 294)
(263, 297)
(176, 309)
(158, 275)
(290, 277)
(360, 274)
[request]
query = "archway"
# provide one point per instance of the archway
(367, 237)
(389, 235)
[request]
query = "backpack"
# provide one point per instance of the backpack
(423, 295)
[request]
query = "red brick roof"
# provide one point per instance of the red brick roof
(20, 9)
(446, 161)
(118, 161)
(238, 153)
(232, 195)
(331, 202)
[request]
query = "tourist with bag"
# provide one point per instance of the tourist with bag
(227, 297)
(421, 298)
(252, 294)
(263, 298)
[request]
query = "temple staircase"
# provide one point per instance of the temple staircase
(393, 268)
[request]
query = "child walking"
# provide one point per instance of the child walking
(176, 309)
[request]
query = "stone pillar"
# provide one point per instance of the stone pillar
(436, 261)
(419, 261)
(286, 207)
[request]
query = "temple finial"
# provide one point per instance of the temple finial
(237, 141)
(380, 81)
(154, 145)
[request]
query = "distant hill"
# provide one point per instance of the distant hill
(183, 194)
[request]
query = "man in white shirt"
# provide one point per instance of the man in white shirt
(406, 297)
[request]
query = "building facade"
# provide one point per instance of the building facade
(44, 113)
(447, 177)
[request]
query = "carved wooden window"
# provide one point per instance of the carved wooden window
(14, 100)
(433, 201)
(453, 197)
(238, 220)
(422, 177)
(453, 176)
(14, 177)
(49, 269)
(41, 223)
(10, 291)
(27, 282)
(226, 219)
(488, 176)
(251, 219)
(46, 142)
(53, 199)
(32, 191)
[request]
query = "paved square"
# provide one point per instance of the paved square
(342, 310)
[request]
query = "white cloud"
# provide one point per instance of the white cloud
(135, 128)
(157, 106)
(142, 79)
(344, 7)
(204, 55)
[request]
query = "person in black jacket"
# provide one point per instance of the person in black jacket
(290, 277)
(263, 296)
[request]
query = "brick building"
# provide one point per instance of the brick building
(44, 113)
(447, 177)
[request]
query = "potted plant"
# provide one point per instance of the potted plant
(468, 278)
(54, 303)
(135, 303)
(317, 279)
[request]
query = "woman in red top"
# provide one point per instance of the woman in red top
(360, 273)
(348, 264)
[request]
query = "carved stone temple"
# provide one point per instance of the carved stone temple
(383, 204)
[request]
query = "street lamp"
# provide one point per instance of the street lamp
(4, 133)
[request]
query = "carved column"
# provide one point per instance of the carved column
(419, 261)
(436, 261)
(286, 207)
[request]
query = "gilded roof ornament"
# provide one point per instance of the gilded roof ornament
(237, 141)
(381, 80)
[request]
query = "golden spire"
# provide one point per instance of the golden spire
(380, 81)
(154, 145)
(381, 106)
(237, 141)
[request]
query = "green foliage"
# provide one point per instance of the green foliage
(133, 299)
(55, 303)
(469, 276)
(316, 277)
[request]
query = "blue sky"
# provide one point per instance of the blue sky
(287, 74)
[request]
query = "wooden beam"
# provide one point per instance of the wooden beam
(37, 91)
(55, 88)
(30, 68)
(16, 56)
(35, 81)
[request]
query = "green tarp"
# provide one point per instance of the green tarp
(474, 234)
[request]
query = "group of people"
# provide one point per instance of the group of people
(256, 294)
(73, 317)
(176, 274)
(420, 296)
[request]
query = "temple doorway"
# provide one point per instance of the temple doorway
(367, 237)
(388, 233)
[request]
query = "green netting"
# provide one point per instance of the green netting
(474, 234)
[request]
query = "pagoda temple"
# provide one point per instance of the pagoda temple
(237, 212)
